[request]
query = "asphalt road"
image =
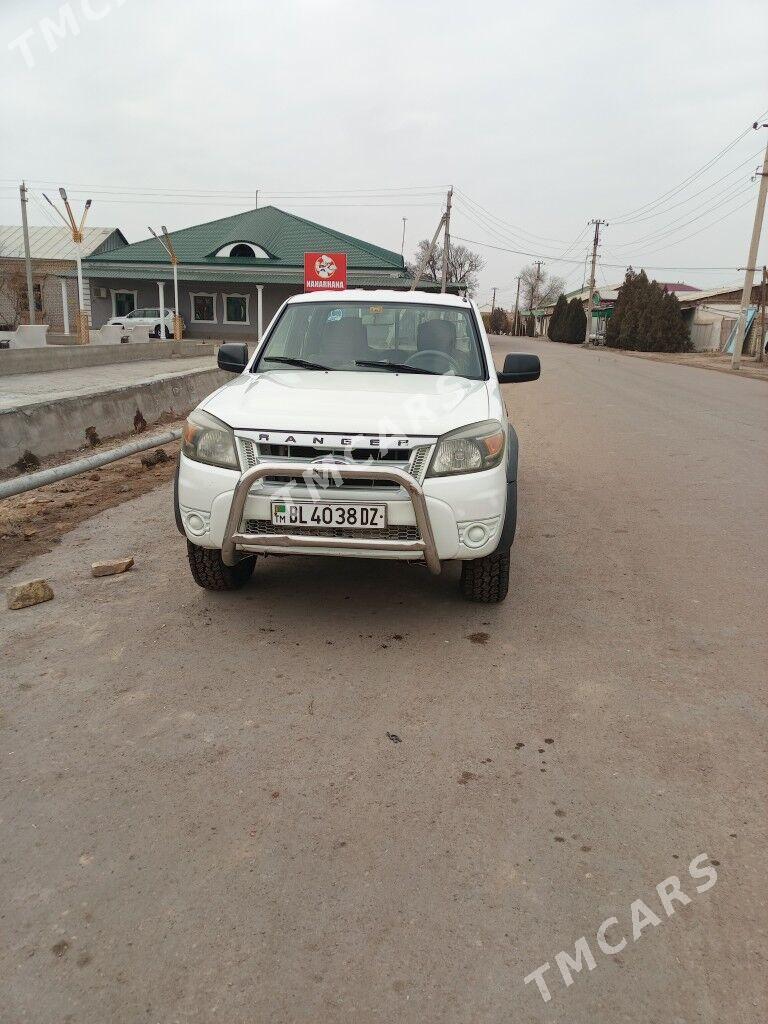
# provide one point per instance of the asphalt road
(203, 818)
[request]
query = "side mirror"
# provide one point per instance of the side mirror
(233, 357)
(519, 367)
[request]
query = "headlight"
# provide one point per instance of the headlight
(469, 449)
(208, 440)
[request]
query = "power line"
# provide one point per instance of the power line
(617, 266)
(241, 206)
(673, 206)
(193, 192)
(670, 229)
(513, 228)
(693, 235)
(691, 177)
(483, 222)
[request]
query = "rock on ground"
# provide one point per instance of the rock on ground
(23, 595)
(112, 567)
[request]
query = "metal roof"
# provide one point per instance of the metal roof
(53, 243)
(284, 236)
(711, 293)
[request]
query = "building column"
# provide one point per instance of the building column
(260, 310)
(65, 304)
(161, 290)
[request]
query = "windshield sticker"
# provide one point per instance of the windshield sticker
(334, 315)
(375, 309)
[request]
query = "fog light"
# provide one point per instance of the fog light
(195, 523)
(475, 535)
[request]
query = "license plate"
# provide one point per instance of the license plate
(329, 514)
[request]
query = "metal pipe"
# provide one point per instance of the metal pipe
(50, 476)
(233, 537)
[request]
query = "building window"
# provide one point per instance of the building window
(123, 302)
(236, 309)
(37, 290)
(203, 308)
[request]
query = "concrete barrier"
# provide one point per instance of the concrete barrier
(74, 357)
(51, 428)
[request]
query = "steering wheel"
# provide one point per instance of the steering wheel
(417, 356)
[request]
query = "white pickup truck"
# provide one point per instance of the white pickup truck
(367, 424)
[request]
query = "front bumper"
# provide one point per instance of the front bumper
(233, 538)
(453, 506)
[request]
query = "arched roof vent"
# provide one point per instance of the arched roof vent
(243, 250)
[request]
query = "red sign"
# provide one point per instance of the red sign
(325, 271)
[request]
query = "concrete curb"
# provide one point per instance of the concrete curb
(50, 428)
(75, 357)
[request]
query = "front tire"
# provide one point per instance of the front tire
(486, 580)
(210, 573)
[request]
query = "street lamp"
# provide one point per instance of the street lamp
(77, 238)
(167, 244)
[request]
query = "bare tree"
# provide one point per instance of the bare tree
(538, 288)
(13, 293)
(463, 264)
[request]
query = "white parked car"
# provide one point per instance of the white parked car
(150, 318)
(367, 424)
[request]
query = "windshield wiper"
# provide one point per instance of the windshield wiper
(398, 367)
(290, 361)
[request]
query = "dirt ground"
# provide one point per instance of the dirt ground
(750, 367)
(33, 522)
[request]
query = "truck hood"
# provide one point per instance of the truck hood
(349, 402)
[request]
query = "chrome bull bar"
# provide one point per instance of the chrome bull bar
(233, 537)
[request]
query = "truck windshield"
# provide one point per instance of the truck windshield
(371, 337)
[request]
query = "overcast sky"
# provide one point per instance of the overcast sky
(544, 114)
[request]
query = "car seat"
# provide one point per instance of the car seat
(343, 341)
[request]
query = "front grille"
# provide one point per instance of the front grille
(388, 533)
(413, 461)
(362, 482)
(305, 453)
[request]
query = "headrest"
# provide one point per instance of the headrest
(344, 340)
(438, 335)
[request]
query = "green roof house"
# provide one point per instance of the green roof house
(234, 273)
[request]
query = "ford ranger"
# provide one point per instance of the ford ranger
(367, 424)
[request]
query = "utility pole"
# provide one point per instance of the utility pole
(517, 306)
(534, 288)
(402, 244)
(256, 200)
(761, 336)
(425, 258)
(447, 240)
(27, 255)
(749, 274)
(493, 302)
(77, 238)
(591, 297)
